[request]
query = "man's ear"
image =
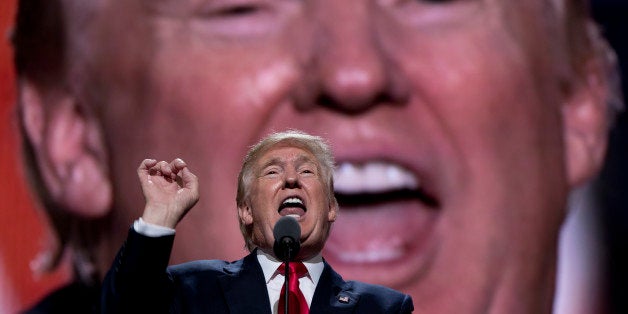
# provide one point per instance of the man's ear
(245, 214)
(68, 149)
(333, 211)
(586, 124)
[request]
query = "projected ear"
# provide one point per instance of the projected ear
(585, 116)
(68, 149)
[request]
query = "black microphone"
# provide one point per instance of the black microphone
(287, 234)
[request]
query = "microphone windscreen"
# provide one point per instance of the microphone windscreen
(287, 227)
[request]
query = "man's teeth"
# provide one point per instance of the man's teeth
(372, 177)
(293, 200)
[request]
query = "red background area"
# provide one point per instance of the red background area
(22, 227)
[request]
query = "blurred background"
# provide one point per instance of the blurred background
(24, 231)
(613, 182)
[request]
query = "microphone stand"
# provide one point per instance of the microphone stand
(287, 242)
(287, 245)
(286, 286)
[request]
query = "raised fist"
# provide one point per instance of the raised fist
(170, 190)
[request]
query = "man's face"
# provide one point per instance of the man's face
(286, 181)
(444, 117)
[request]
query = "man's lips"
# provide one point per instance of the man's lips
(292, 205)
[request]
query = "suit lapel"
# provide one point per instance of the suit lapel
(333, 294)
(244, 286)
(245, 290)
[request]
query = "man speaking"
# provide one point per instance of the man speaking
(287, 174)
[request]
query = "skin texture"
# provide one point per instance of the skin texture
(474, 98)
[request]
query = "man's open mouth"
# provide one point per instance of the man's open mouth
(386, 216)
(292, 206)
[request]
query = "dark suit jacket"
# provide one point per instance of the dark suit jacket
(76, 297)
(140, 282)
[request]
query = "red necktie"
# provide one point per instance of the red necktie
(297, 303)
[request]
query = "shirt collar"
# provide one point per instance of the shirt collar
(270, 264)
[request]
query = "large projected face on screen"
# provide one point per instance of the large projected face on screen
(458, 128)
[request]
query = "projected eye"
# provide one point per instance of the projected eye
(437, 2)
(239, 17)
(237, 10)
(228, 9)
(435, 12)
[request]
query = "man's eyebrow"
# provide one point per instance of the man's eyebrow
(301, 159)
(273, 162)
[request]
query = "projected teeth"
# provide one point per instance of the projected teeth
(371, 256)
(372, 177)
(374, 251)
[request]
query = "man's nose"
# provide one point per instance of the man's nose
(349, 68)
(291, 180)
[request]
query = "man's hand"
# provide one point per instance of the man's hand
(170, 190)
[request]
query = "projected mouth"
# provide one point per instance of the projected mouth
(386, 215)
(377, 182)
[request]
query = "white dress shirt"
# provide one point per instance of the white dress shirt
(273, 276)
